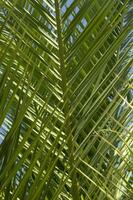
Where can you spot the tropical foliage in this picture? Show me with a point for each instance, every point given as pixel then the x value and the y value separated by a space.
pixel 66 104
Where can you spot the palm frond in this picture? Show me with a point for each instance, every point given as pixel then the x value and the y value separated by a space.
pixel 66 99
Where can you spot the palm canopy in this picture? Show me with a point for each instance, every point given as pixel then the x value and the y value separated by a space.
pixel 66 99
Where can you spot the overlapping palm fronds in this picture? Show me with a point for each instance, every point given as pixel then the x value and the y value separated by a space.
pixel 66 99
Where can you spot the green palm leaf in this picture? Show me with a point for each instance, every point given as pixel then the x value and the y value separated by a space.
pixel 66 99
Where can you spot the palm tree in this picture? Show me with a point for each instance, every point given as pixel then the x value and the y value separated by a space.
pixel 66 99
